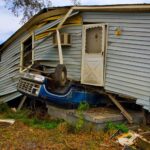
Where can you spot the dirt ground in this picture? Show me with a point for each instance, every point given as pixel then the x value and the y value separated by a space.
pixel 38 131
pixel 22 137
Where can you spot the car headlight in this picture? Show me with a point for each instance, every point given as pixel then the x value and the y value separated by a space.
pixel 35 77
pixel 39 78
pixel 37 92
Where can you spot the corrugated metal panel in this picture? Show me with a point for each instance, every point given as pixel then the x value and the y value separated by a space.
pixel 9 71
pixel 51 24
pixel 45 51
pixel 47 26
pixel 128 55
pixel 10 96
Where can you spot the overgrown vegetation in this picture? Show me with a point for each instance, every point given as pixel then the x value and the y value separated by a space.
pixel 117 126
pixel 28 118
pixel 83 106
pixel 3 107
pixel 31 131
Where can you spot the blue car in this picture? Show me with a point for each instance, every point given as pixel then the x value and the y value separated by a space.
pixel 38 86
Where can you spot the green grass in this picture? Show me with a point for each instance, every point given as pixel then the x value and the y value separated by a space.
pixel 83 106
pixel 24 116
pixel 33 121
pixel 117 126
pixel 3 107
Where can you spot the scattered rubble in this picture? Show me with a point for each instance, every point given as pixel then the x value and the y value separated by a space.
pixel 6 122
pixel 127 138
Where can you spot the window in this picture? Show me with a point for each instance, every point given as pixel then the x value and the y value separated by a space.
pixel 94 40
pixel 27 53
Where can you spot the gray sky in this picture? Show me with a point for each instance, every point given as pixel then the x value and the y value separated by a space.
pixel 9 23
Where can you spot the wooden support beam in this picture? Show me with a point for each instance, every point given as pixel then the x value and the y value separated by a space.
pixel 58 35
pixel 59 48
pixel 64 19
pixel 144 116
pixel 22 102
pixel 123 111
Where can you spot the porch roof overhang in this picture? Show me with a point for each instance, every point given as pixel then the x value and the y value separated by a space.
pixel 45 13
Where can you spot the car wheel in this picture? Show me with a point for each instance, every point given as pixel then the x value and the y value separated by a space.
pixel 61 74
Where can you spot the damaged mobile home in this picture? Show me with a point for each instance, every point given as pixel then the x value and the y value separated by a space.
pixel 100 46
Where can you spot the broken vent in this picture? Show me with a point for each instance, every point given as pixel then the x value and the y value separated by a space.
pixel 65 39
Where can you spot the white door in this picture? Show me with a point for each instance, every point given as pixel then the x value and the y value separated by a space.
pixel 92 71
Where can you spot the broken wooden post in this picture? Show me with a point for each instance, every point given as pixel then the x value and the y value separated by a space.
pixel 64 19
pixel 59 48
pixel 21 102
pixel 144 117
pixel 123 111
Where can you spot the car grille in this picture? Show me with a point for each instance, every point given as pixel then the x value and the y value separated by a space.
pixel 28 87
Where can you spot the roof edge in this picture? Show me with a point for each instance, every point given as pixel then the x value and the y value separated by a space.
pixel 52 10
pixel 35 19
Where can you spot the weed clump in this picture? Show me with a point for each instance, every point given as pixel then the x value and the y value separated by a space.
pixel 117 126
pixel 3 107
pixel 78 125
pixel 28 118
pixel 83 106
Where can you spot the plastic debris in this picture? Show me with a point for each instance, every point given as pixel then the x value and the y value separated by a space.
pixel 13 109
pixel 127 138
pixel 9 121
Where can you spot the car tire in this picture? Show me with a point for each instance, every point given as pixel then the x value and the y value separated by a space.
pixel 60 75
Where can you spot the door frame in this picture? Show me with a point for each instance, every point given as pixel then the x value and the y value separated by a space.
pixel 104 46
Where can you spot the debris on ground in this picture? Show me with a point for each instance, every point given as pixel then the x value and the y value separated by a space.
pixel 13 109
pixel 143 141
pixel 10 121
pixel 6 122
pixel 21 136
pixel 127 138
pixel 132 139
pixel 37 130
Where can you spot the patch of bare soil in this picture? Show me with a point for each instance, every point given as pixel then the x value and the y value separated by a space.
pixel 22 137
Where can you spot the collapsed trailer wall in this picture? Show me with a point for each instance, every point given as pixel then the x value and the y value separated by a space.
pixel 9 71
pixel 128 55
pixel 47 52
pixel 127 60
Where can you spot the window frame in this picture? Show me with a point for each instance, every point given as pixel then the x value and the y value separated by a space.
pixel 22 68
pixel 102 40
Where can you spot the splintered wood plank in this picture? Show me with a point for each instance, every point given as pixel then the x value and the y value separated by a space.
pixel 123 111
pixel 59 48
pixel 64 19
pixel 22 102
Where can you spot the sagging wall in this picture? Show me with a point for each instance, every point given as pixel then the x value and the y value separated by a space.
pixel 47 53
pixel 128 55
pixel 9 70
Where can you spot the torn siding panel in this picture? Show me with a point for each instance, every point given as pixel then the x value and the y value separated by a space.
pixel 47 26
pixel 128 55
pixel 9 71
pixel 144 102
pixel 10 96
pixel 45 30
pixel 48 53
